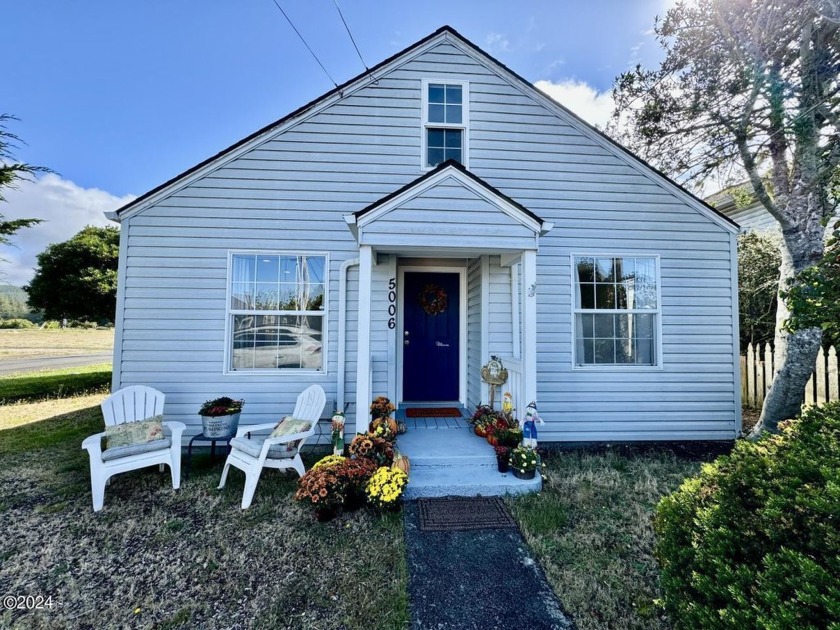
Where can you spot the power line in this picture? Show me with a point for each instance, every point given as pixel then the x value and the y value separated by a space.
pixel 347 28
pixel 311 52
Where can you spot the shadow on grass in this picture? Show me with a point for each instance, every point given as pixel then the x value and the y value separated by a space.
pixel 55 384
pixel 72 427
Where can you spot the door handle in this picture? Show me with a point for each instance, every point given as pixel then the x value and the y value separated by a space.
pixel 440 344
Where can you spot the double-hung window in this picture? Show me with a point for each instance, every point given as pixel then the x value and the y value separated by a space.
pixel 616 310
pixel 445 122
pixel 277 310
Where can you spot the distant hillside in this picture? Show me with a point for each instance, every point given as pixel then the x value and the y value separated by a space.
pixel 13 302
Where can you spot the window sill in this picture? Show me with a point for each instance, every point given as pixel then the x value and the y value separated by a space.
pixel 275 372
pixel 617 368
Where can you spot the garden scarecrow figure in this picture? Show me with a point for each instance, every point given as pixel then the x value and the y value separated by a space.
pixel 529 426
pixel 507 404
pixel 337 436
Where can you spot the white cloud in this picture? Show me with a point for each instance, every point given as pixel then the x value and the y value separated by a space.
pixel 65 208
pixel 593 106
pixel 496 42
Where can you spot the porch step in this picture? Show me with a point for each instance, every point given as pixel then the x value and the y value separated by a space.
pixel 454 462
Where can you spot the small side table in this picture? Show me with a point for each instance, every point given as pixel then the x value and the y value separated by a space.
pixel 203 438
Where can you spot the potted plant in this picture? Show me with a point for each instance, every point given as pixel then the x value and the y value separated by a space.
pixel 483 416
pixel 385 488
pixel 323 488
pixel 373 447
pixel 510 436
pixel 523 462
pixel 356 473
pixel 381 407
pixel 220 416
pixel 503 458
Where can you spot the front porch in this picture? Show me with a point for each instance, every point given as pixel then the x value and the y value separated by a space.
pixel 447 459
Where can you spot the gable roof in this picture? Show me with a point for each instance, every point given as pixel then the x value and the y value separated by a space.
pixel 450 167
pixel 444 33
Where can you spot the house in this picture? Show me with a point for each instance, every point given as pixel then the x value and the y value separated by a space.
pixel 751 216
pixel 395 233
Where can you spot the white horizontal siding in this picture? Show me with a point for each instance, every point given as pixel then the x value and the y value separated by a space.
pixel 291 192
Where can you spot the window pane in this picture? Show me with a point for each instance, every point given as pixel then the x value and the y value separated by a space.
pixel 241 296
pixel 624 351
pixel 244 268
pixel 434 138
pixel 452 138
pixel 645 283
pixel 266 297
pixel 620 296
pixel 453 94
pixel 604 296
pixel 436 93
pixel 604 325
pixel 452 154
pixel 453 114
pixel 585 270
pixel 436 113
pixel 644 352
pixel 644 326
pixel 267 268
pixel 586 296
pixel 586 325
pixel 604 270
pixel 435 157
pixel 315 267
pixel 277 341
pixel 604 351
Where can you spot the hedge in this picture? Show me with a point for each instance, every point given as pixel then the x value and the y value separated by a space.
pixel 753 541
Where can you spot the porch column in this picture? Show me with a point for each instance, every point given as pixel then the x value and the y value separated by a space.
pixel 363 383
pixel 529 326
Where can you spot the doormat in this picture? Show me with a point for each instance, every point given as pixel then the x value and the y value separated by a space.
pixel 464 513
pixel 434 412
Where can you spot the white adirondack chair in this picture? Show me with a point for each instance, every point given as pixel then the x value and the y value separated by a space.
pixel 132 404
pixel 251 455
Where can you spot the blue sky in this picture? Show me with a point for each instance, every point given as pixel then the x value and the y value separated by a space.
pixel 118 96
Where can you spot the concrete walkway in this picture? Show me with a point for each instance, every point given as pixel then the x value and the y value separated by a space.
pixel 482 579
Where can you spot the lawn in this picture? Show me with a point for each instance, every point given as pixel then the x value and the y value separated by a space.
pixel 155 557
pixel 45 384
pixel 35 342
pixel 591 529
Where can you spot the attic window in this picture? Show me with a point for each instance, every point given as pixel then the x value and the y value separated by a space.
pixel 445 122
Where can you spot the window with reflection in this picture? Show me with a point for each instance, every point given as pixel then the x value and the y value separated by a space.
pixel 616 310
pixel 277 311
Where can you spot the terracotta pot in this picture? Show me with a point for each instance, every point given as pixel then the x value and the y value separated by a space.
pixel 528 474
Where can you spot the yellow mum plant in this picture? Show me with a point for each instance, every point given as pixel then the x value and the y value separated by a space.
pixel 329 460
pixel 386 487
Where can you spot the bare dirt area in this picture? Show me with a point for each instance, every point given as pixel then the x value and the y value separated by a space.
pixel 35 343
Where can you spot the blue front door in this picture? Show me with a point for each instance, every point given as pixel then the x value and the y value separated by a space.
pixel 431 344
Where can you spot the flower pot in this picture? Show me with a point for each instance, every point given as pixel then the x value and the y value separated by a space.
pixel 528 474
pixel 220 426
pixel 322 515
pixel 504 465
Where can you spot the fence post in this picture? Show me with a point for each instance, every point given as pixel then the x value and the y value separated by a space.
pixel 833 392
pixel 751 376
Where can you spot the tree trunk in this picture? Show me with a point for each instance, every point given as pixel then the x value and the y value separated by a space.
pixel 795 353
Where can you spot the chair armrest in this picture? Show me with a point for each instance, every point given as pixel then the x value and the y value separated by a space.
pixel 93 444
pixel 177 429
pixel 254 428
pixel 292 437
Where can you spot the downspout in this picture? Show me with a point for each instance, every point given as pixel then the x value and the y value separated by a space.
pixel 342 331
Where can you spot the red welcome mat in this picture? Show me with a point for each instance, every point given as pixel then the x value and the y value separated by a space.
pixel 433 412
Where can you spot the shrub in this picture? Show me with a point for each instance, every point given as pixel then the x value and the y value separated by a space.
pixel 16 323
pixel 753 541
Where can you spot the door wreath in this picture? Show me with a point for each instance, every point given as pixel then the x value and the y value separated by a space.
pixel 433 299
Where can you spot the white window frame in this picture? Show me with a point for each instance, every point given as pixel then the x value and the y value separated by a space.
pixel 227 368
pixel 426 125
pixel 617 367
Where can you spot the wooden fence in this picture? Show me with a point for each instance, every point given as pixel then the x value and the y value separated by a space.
pixel 758 368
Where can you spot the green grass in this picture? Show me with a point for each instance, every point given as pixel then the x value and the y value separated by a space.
pixel 186 558
pixel 60 383
pixel 591 529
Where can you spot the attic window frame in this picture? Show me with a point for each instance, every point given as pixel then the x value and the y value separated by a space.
pixel 426 125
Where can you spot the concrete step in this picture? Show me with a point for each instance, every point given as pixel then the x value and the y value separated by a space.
pixel 466 481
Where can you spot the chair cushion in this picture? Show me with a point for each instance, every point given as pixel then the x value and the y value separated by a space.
pixel 118 452
pixel 253 447
pixel 139 432
pixel 290 426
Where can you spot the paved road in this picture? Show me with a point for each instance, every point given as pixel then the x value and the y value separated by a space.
pixel 8 366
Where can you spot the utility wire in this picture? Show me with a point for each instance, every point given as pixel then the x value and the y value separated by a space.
pixel 311 52
pixel 347 28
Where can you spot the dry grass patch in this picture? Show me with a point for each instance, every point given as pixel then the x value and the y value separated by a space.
pixel 155 557
pixel 591 528
pixel 28 343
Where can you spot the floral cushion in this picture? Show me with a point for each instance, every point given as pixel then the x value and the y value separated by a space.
pixel 290 426
pixel 128 433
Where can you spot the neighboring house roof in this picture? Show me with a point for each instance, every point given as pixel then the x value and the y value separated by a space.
pixel 445 33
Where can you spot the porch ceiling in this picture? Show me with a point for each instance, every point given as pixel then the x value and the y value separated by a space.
pixel 447 212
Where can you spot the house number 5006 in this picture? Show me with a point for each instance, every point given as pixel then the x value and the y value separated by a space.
pixel 392 303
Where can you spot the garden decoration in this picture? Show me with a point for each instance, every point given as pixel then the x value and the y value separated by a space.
pixel 324 489
pixel 523 462
pixel 337 436
pixel 503 458
pixel 220 416
pixel 507 404
pixel 494 373
pixel 529 426
pixel 385 488
pixel 433 299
